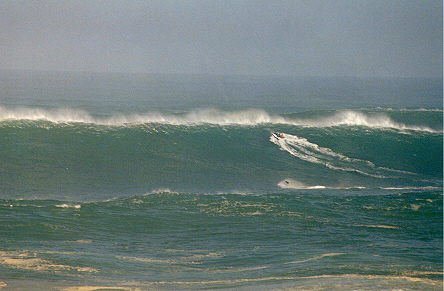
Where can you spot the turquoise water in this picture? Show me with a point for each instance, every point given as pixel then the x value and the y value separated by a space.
pixel 121 182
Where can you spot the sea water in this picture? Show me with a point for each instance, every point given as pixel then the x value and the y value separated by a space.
pixel 175 182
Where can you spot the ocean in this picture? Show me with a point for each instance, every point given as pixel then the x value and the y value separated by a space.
pixel 176 182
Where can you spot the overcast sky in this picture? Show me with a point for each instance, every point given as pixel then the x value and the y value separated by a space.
pixel 401 38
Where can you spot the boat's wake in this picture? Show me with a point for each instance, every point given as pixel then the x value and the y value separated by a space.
pixel 313 153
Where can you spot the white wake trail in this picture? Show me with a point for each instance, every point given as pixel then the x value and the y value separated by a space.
pixel 313 153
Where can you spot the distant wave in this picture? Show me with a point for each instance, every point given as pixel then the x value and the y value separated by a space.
pixel 248 117
pixel 356 118
pixel 420 109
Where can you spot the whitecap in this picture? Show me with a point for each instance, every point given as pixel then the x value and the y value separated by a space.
pixel 247 117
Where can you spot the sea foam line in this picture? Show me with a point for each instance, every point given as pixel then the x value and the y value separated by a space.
pixel 316 258
pixel 30 261
pixel 249 117
pixel 346 281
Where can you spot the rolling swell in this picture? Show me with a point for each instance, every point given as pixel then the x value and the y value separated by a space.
pixel 53 152
pixel 205 238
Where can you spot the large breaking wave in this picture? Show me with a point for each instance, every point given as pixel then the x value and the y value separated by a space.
pixel 248 117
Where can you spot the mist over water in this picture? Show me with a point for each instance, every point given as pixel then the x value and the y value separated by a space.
pixel 107 93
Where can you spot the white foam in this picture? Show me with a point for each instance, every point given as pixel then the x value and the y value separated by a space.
pixel 425 188
pixel 356 118
pixel 60 115
pixel 68 206
pixel 316 258
pixel 293 184
pixel 347 169
pixel 202 116
pixel 313 153
pixel 317 187
pixel 248 117
pixel 378 226
pixel 30 261
pixel 161 191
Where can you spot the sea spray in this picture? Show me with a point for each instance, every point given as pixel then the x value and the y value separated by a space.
pixel 249 117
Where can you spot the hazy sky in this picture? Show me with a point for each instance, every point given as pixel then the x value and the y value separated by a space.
pixel 400 38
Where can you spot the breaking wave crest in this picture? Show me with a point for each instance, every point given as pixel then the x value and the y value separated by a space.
pixel 248 117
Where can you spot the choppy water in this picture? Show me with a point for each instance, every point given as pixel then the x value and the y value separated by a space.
pixel 133 199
